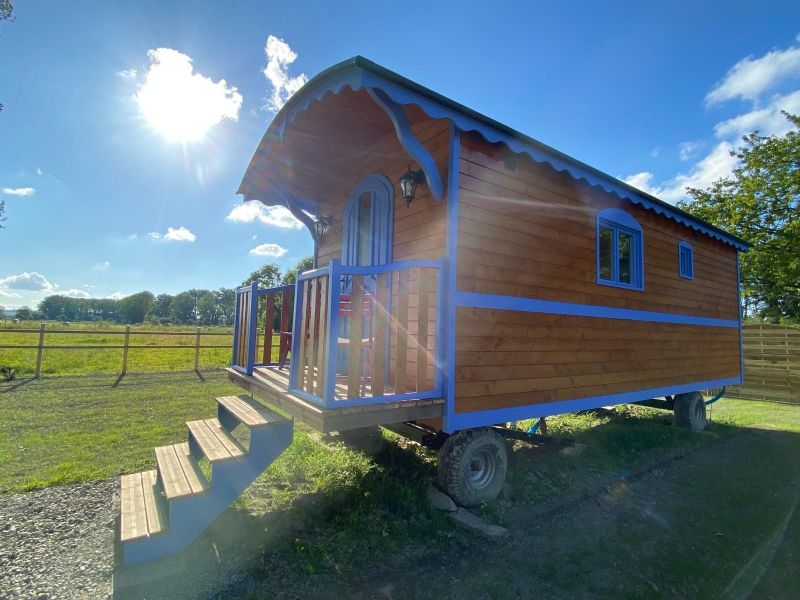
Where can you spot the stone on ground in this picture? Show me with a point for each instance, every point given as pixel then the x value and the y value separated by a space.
pixel 440 500
pixel 472 522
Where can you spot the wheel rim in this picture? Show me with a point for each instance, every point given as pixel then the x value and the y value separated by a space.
pixel 699 411
pixel 482 467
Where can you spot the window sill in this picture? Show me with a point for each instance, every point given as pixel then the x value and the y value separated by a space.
pixel 624 286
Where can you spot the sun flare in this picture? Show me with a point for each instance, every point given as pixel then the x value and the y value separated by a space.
pixel 180 104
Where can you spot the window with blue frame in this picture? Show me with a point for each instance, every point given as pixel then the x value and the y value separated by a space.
pixel 685 260
pixel 620 251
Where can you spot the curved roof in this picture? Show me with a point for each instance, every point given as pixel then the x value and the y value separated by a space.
pixel 359 73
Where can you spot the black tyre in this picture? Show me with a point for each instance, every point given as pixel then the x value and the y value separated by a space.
pixel 473 465
pixel 690 411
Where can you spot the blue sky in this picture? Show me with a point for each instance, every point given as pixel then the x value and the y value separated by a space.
pixel 108 192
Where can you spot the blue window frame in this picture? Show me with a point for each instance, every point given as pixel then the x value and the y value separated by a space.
pixel 620 251
pixel 685 260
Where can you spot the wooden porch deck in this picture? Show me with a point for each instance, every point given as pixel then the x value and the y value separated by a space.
pixel 270 384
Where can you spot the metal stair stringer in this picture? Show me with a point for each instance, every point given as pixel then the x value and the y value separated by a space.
pixel 190 515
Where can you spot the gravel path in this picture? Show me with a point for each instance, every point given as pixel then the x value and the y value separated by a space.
pixel 58 542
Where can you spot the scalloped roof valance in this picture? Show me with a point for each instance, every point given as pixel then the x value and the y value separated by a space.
pixel 359 73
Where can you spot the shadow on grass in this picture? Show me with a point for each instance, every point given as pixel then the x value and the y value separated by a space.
pixel 114 381
pixel 13 386
pixel 302 525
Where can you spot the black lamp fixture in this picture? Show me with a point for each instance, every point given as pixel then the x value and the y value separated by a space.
pixel 408 184
pixel 322 225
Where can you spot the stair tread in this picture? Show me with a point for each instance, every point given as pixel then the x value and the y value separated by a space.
pixel 180 473
pixel 216 443
pixel 249 411
pixel 141 514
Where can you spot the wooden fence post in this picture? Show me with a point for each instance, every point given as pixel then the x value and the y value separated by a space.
pixel 125 349
pixel 197 351
pixel 39 351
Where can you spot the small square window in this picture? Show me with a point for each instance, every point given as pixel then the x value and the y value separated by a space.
pixel 685 261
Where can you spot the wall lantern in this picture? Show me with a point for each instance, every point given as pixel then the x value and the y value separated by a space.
pixel 322 225
pixel 408 184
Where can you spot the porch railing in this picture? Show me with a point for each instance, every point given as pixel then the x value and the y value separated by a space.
pixel 250 303
pixel 369 334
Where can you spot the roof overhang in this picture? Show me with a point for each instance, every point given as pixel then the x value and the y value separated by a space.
pixel 359 73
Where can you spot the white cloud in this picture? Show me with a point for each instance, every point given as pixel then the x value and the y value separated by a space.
pixel 717 164
pixel 32 282
pixel 39 171
pixel 180 104
pixel 9 294
pixel 127 73
pixel 24 191
pixel 253 210
pixel 116 296
pixel 687 150
pixel 180 234
pixel 102 265
pixel 655 151
pixel 642 181
pixel 269 250
pixel 279 57
pixel 767 120
pixel 74 293
pixel 750 77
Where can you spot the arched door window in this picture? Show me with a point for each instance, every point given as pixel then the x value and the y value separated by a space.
pixel 367 236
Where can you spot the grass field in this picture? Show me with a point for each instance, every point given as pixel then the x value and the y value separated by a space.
pixel 73 362
pixel 647 510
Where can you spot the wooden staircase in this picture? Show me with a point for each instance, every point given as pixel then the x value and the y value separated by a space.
pixel 164 510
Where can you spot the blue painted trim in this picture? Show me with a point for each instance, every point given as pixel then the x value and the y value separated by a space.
pixel 280 288
pixel 620 217
pixel 236 317
pixel 251 338
pixel 313 399
pixel 477 300
pixel 449 289
pixel 686 247
pixel 313 273
pixel 547 409
pixel 619 221
pixel 334 289
pixel 359 73
pixel 296 330
pixel 409 141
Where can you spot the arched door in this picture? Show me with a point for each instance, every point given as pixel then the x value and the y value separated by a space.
pixel 367 224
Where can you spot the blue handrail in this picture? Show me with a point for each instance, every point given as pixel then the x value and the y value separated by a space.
pixel 335 271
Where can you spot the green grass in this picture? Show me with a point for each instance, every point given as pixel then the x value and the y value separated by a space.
pixel 326 516
pixel 84 361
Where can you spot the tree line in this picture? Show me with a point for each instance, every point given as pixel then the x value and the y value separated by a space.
pixel 192 307
pixel 760 202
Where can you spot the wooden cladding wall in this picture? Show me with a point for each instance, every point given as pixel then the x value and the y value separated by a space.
pixel 419 230
pixel 510 358
pixel 526 230
pixel 771 364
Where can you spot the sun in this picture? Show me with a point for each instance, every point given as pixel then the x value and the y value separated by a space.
pixel 182 105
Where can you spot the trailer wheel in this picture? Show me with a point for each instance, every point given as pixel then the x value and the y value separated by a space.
pixel 690 411
pixel 473 465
